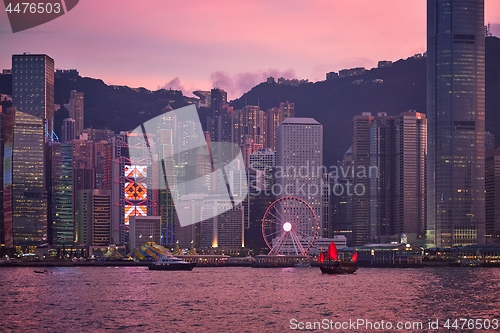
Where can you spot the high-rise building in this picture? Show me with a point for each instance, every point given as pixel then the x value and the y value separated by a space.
pixel 274 117
pixel 144 229
pixel 456 123
pixel 33 87
pixel 190 234
pixel 382 187
pixel 248 148
pixel 61 226
pixel 260 180
pixel 250 123
pixel 76 110
pixel 96 134
pixel 68 130
pixel 219 115
pixel 94 217
pixel 410 195
pixel 83 177
pixel 2 131
pixel 262 161
pixel 225 229
pixel 489 141
pixel 288 109
pixel 25 205
pixel 492 185
pixel 218 100
pixel 389 154
pixel 299 161
pixel 492 87
pixel 360 161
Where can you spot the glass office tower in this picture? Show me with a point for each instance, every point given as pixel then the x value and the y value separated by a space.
pixel 33 87
pixel 455 119
pixel 25 202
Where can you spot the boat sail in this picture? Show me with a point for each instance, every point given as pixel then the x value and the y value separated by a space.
pixel 333 265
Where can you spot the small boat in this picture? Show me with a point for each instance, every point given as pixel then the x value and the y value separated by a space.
pixel 41 271
pixel 171 264
pixel 333 265
pixel 302 264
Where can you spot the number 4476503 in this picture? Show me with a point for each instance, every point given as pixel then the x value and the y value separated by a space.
pixel 471 324
pixel 33 8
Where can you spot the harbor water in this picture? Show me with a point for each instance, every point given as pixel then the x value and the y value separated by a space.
pixel 241 299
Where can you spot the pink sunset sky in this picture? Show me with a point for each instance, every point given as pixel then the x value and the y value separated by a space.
pixel 190 45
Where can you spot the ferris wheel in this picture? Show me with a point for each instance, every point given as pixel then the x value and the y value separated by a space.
pixel 289 226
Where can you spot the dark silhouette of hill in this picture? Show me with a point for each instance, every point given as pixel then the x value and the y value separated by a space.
pixel 335 103
pixel 332 103
pixel 118 108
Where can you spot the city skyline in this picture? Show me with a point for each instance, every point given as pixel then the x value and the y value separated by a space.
pixel 347 185
pixel 300 42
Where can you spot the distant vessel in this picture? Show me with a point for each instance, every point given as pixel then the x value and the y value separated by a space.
pixel 304 264
pixel 335 266
pixel 171 264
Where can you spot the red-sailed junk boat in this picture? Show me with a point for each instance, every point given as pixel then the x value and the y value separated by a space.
pixel 332 265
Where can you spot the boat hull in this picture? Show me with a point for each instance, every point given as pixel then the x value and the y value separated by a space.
pixel 339 267
pixel 172 267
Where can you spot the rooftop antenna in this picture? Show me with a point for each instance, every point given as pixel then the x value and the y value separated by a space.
pixel 487 30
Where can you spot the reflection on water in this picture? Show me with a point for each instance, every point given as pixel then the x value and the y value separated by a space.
pixel 237 299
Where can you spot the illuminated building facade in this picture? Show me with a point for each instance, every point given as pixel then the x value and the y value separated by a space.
pixel 68 130
pixel 94 217
pixel 25 206
pixel 33 87
pixel 389 154
pixel 299 157
pixel 410 206
pixel 75 108
pixel 144 229
pixel 456 123
pixel 250 123
pixel 61 226
pixel 134 183
pixel 2 131
pixel 492 185
pixel 225 229
pixel 361 160
pixel 382 185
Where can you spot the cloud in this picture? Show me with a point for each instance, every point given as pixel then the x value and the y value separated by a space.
pixel 174 84
pixel 238 84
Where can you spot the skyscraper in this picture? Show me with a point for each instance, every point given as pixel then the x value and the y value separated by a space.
pixel 68 130
pixel 393 163
pixel 382 188
pixel 25 206
pixel 75 108
pixel 299 158
pixel 61 227
pixel 492 185
pixel 410 205
pixel 455 119
pixel 33 87
pixel 250 123
pixel 274 117
pixel 361 161
pixel 492 87
pixel 225 229
pixel 94 217
pixel 2 130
